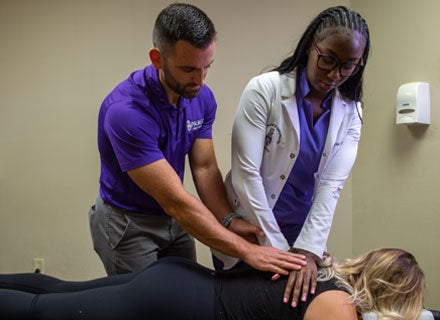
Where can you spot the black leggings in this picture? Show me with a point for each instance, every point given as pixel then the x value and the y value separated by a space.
pixel 171 288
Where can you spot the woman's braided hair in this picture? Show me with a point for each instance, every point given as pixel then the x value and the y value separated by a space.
pixel 335 19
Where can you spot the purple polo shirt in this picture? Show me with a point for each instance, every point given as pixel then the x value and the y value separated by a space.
pixel 296 198
pixel 137 126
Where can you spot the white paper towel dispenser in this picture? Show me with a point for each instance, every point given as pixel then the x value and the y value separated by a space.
pixel 413 104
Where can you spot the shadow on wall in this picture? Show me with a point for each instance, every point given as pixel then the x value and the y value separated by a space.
pixel 408 137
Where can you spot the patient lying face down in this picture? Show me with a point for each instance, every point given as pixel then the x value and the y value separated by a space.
pixel 387 282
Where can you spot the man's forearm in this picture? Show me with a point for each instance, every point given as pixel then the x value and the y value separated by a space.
pixel 212 192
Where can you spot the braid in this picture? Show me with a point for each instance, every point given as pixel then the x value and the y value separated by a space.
pixel 339 19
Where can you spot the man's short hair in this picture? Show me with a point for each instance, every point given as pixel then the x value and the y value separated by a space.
pixel 180 21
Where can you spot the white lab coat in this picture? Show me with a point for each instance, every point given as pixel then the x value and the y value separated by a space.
pixel 265 145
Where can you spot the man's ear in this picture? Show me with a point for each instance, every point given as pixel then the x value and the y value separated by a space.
pixel 156 58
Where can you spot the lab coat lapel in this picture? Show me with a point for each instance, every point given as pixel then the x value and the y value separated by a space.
pixel 338 110
pixel 288 100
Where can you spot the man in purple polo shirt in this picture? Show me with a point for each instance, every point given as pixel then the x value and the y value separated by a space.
pixel 146 127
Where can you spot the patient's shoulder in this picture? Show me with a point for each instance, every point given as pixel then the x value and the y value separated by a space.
pixel 331 305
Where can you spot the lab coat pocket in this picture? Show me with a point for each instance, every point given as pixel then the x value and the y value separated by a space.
pixel 231 195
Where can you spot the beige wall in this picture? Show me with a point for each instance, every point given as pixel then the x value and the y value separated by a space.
pixel 395 193
pixel 60 58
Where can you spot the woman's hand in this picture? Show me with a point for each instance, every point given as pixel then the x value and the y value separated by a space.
pixel 301 282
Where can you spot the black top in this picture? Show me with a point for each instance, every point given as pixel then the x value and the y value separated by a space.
pixel 253 295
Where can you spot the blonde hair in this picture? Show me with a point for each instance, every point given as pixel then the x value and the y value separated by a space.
pixel 386 281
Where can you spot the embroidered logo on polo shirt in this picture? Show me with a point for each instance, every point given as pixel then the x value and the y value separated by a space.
pixel 194 125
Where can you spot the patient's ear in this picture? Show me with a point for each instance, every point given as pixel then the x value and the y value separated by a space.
pixel 156 58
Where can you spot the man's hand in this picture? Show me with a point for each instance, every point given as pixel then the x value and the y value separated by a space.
pixel 266 258
pixel 303 281
pixel 274 260
pixel 246 230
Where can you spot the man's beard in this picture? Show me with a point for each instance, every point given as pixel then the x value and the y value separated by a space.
pixel 180 89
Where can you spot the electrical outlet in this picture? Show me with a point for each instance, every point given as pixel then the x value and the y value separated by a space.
pixel 39 265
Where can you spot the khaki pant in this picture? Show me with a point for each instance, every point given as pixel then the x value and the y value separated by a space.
pixel 129 242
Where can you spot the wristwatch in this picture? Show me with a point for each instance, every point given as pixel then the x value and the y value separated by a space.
pixel 228 219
